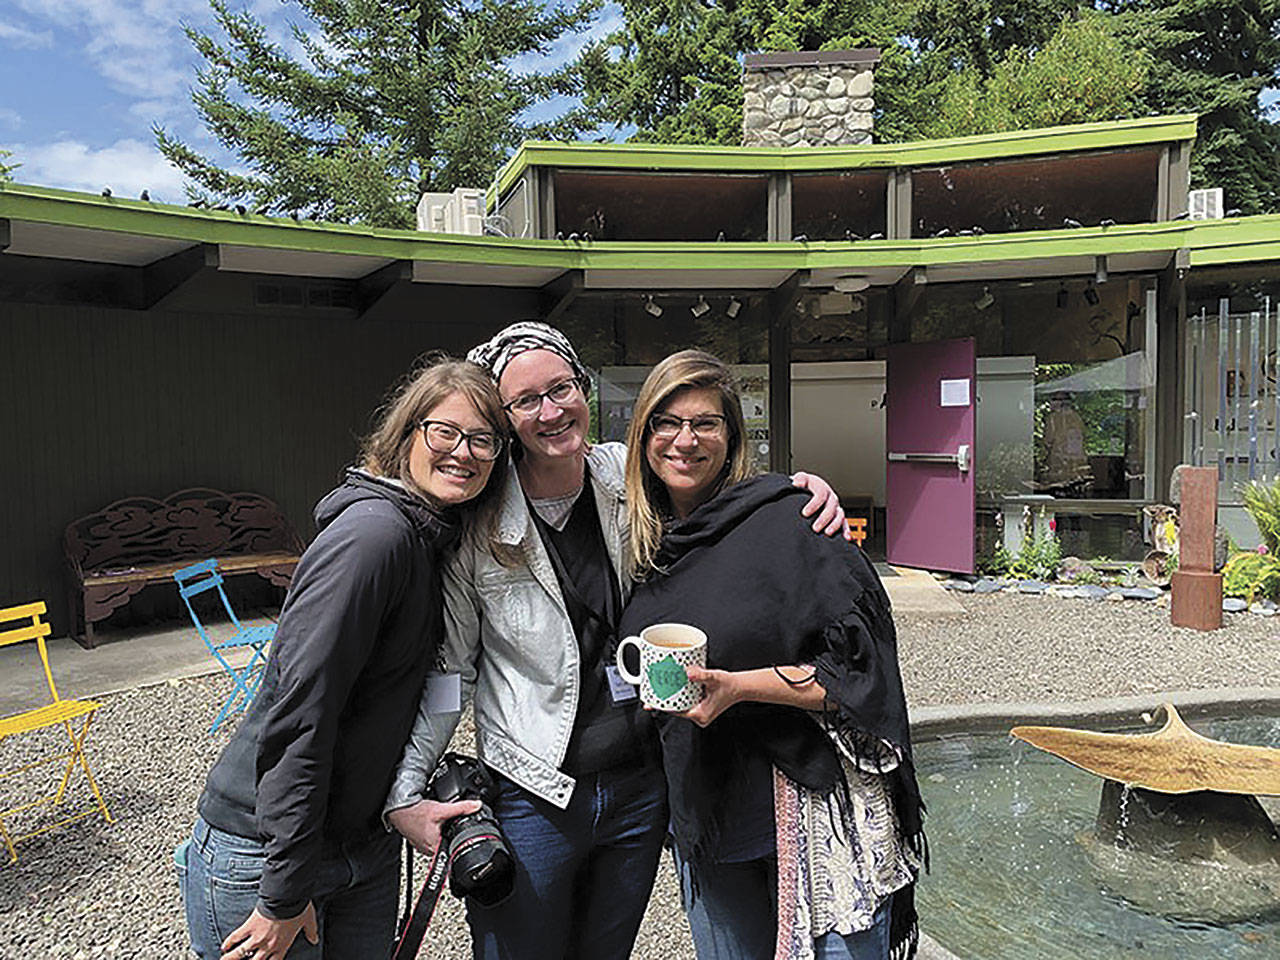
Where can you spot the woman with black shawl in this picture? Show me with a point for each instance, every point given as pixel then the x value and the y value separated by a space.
pixel 795 811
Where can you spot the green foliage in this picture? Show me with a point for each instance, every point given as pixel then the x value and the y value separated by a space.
pixel 997 564
pixel 1214 59
pixel 6 169
pixel 1039 557
pixel 1084 72
pixel 1262 503
pixel 388 97
pixel 1251 575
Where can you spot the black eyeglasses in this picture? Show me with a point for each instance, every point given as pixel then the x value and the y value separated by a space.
pixel 704 426
pixel 443 437
pixel 527 404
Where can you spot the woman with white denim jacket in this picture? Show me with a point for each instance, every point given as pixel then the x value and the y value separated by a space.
pixel 530 628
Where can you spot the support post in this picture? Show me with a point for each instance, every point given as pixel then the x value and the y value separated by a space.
pixel 780 303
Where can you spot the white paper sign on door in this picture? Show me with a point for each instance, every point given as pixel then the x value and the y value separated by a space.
pixel 955 393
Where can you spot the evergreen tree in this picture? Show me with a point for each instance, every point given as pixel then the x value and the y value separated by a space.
pixel 1085 72
pixel 389 97
pixel 1214 59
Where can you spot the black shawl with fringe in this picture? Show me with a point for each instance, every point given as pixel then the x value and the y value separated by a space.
pixel 746 568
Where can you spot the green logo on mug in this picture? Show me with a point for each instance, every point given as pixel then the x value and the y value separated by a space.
pixel 667 678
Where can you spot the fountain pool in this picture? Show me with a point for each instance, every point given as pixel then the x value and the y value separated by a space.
pixel 1012 881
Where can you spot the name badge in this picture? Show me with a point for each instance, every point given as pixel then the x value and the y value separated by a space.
pixel 622 691
pixel 443 693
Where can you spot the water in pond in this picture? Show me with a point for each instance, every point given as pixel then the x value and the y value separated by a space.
pixel 1010 881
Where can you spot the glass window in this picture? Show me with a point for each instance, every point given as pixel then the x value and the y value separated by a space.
pixel 848 205
pixel 661 206
pixel 1036 193
pixel 1064 412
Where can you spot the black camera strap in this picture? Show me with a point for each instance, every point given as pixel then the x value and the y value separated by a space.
pixel 414 927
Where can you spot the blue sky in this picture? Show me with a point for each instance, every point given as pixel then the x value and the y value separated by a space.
pixel 82 82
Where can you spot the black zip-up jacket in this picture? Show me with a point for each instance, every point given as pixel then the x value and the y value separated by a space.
pixel 312 761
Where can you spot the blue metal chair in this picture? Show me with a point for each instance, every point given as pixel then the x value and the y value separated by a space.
pixel 203 576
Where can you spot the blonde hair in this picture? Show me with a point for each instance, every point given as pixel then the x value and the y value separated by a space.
pixel 648 505
pixel 432 380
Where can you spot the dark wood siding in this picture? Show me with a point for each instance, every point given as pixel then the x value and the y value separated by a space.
pixel 98 404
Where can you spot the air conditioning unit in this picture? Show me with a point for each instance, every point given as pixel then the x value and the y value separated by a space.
pixel 1205 204
pixel 462 211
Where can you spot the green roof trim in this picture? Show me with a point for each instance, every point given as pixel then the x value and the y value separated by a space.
pixel 1213 242
pixel 1111 134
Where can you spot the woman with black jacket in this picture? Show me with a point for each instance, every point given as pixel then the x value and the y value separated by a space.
pixel 289 836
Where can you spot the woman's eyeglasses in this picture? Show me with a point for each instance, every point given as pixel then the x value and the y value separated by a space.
pixel 704 427
pixel 444 437
pixel 527 404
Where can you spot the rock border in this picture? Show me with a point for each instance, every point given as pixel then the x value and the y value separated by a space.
pixel 1094 592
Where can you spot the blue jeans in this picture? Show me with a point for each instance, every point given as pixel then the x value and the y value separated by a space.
pixel 583 874
pixel 356 893
pixel 734 915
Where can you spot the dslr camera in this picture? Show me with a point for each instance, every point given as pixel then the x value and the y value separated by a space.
pixel 482 864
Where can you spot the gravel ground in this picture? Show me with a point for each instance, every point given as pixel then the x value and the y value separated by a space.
pixel 1040 648
pixel 95 890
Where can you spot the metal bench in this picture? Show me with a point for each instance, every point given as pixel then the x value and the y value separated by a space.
pixel 114 553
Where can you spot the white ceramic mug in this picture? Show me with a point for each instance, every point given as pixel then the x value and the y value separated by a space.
pixel 665 650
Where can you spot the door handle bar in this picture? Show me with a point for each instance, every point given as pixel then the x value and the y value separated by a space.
pixel 960 458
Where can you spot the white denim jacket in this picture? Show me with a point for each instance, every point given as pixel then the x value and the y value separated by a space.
pixel 508 633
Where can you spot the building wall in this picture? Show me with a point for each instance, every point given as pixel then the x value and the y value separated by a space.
pixel 97 404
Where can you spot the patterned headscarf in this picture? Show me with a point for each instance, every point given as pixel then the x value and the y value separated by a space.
pixel 513 340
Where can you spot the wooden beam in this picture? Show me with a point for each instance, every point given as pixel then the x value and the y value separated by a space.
pixel 161 278
pixel 906 295
pixel 559 294
pixel 780 303
pixel 373 286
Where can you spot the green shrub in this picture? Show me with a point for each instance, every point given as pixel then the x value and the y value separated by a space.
pixel 997 563
pixel 1250 576
pixel 1039 557
pixel 1262 502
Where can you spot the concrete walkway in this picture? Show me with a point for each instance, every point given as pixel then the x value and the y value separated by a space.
pixel 121 661
pixel 124 660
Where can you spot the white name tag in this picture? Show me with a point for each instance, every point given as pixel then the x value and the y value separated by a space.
pixel 622 691
pixel 444 693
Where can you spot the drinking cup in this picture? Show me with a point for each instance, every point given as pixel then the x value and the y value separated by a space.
pixel 665 650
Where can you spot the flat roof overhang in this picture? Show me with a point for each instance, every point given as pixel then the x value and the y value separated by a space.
pixel 1107 135
pixel 41 222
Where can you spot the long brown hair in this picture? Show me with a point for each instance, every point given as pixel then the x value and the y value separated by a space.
pixel 648 505
pixel 434 378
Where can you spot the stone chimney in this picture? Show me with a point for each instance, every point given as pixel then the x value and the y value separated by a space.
pixel 808 99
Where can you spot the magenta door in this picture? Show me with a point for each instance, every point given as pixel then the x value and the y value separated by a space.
pixel 930 392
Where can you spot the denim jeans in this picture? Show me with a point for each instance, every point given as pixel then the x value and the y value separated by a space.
pixel 355 894
pixel 734 915
pixel 583 874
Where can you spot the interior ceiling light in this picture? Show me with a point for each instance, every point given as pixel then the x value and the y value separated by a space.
pixel 701 307
pixel 732 310
pixel 651 306
pixel 985 300
pixel 851 284
pixel 1091 294
pixel 1062 296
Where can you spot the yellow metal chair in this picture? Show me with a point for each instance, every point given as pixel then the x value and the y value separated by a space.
pixel 57 712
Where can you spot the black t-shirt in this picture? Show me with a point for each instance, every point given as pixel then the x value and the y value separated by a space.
pixel 605 734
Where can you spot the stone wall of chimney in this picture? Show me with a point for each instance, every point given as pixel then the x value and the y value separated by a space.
pixel 808 99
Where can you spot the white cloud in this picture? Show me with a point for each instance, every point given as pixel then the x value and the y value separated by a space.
pixel 127 167
pixel 22 37
pixel 10 118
